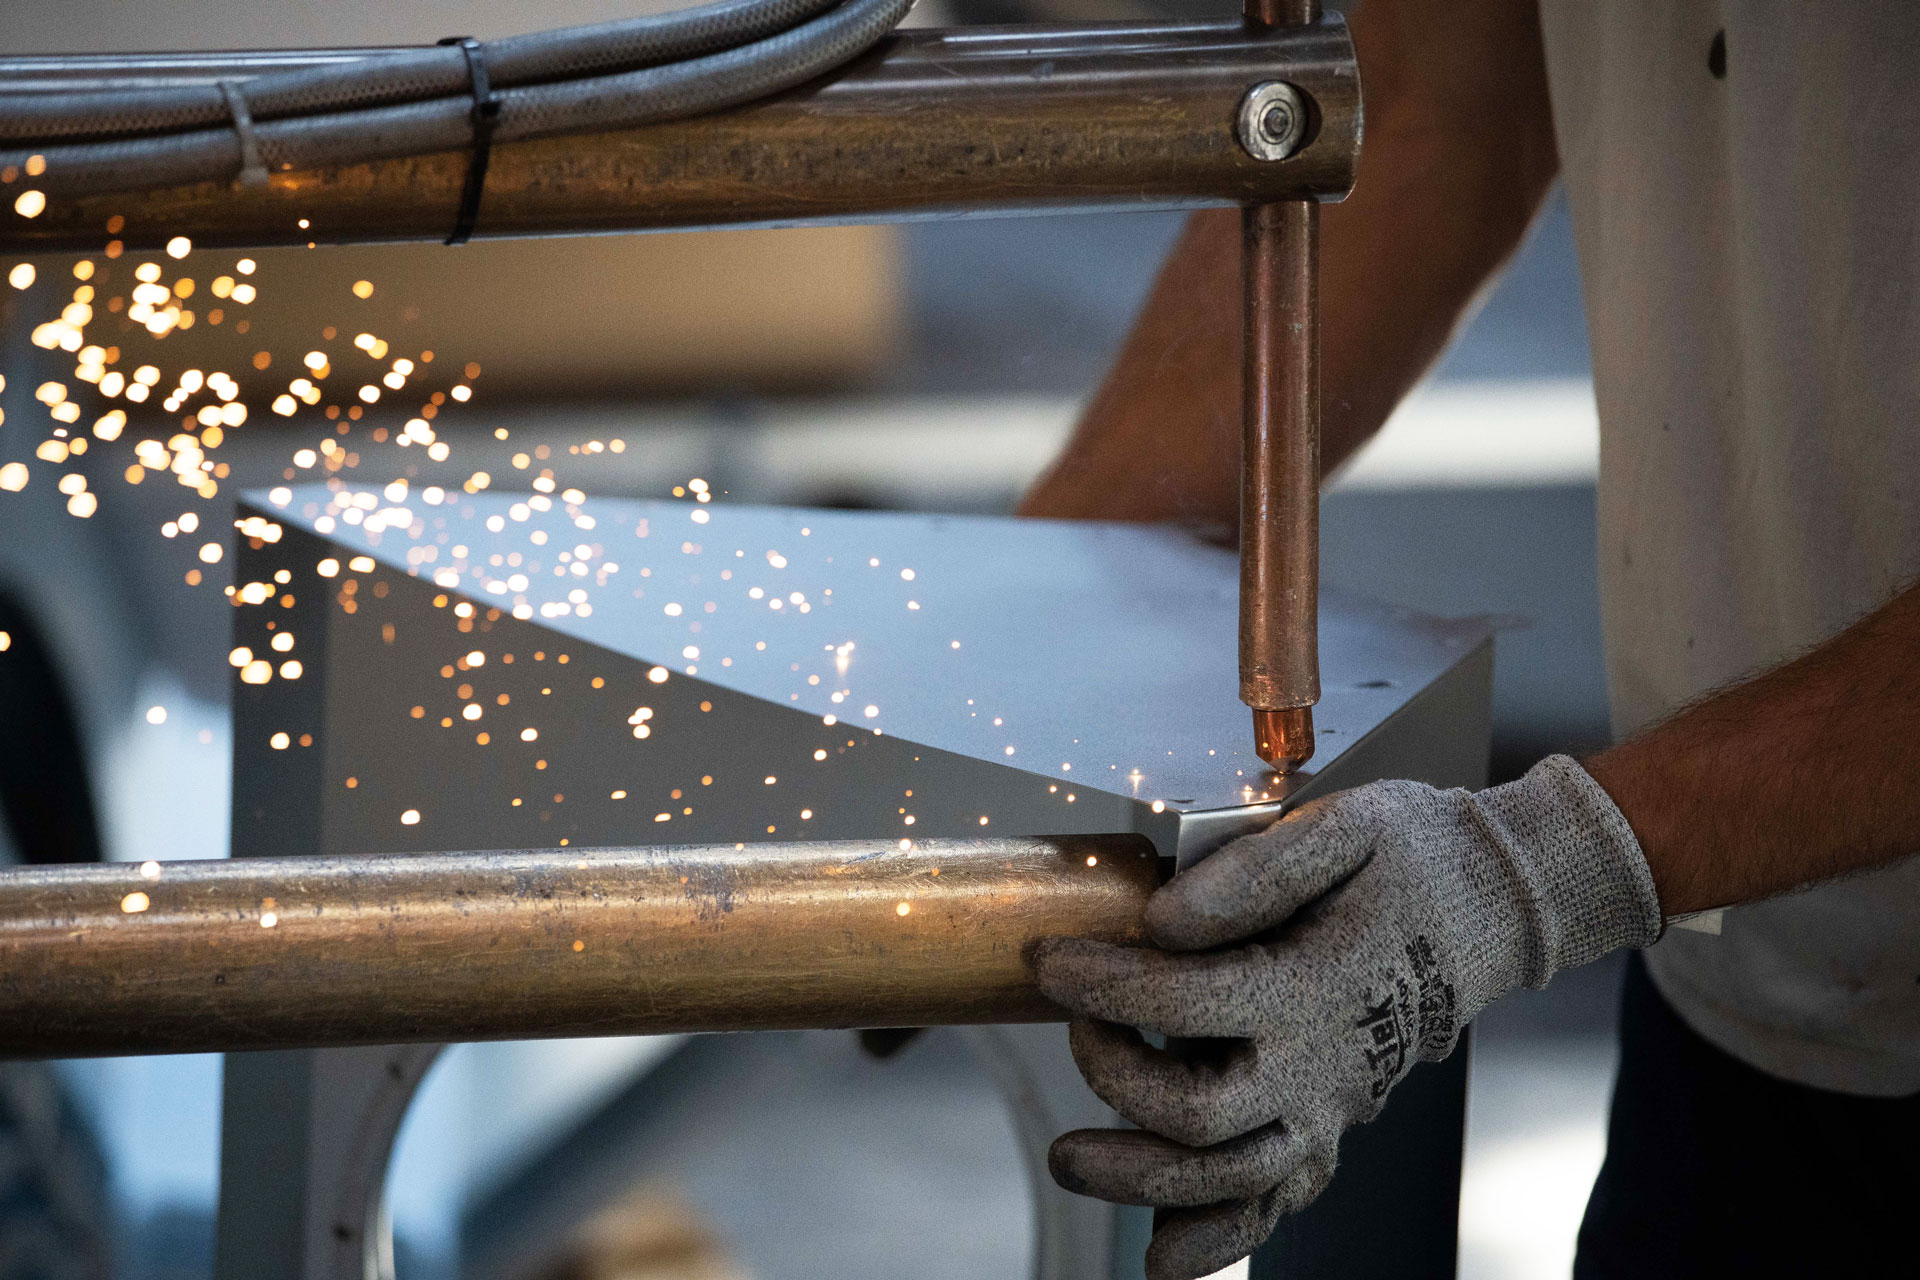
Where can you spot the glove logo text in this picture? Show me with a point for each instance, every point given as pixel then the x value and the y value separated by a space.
pixel 1385 1039
pixel 1388 1026
pixel 1437 1008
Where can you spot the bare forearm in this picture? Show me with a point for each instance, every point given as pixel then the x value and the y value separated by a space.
pixel 1459 153
pixel 1807 772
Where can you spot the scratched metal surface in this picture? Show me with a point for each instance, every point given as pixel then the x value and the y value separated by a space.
pixel 1091 655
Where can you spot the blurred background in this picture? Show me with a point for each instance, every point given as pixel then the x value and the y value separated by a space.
pixel 931 367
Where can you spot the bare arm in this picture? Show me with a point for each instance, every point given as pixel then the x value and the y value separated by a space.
pixel 1459 152
pixel 1807 772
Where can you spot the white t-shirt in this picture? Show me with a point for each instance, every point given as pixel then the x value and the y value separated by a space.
pixel 1750 250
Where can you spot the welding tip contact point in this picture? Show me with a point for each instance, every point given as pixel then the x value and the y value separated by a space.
pixel 1283 737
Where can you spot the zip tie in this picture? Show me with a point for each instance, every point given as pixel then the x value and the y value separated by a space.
pixel 253 171
pixel 485 114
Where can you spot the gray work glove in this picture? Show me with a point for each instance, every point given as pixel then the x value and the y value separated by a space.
pixel 1326 955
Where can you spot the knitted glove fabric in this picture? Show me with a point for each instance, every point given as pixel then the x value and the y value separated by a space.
pixel 1321 959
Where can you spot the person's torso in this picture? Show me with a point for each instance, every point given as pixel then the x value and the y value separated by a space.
pixel 1745 186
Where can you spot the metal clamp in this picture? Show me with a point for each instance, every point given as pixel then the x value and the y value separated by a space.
pixel 484 116
pixel 253 171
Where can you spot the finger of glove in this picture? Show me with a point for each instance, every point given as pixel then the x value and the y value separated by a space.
pixel 1309 1178
pixel 1194 1103
pixel 1200 1241
pixel 1190 1243
pixel 1259 881
pixel 1176 995
pixel 1128 1166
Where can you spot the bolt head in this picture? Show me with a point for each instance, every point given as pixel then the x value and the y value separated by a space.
pixel 1272 121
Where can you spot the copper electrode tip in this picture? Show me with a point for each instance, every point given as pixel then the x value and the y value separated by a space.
pixel 1284 738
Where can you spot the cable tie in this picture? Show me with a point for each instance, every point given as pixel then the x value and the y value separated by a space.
pixel 485 115
pixel 253 171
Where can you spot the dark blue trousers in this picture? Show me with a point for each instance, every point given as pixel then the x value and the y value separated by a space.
pixel 1716 1169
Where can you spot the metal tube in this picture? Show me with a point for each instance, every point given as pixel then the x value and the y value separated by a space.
pixel 931 123
pixel 1280 459
pixel 257 953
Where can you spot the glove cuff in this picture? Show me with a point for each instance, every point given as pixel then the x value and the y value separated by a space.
pixel 1581 885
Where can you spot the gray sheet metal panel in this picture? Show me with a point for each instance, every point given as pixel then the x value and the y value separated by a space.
pixel 1023 663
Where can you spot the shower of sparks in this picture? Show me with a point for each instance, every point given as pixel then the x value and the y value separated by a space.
pixel 122 398
pixel 128 413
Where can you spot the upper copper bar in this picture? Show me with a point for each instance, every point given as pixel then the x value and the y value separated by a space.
pixel 1280 458
pixel 930 123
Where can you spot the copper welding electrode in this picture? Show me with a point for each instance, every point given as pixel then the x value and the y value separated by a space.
pixel 1280 483
pixel 1280 436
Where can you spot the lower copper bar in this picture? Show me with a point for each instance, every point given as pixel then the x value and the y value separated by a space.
pixel 262 953
pixel 1280 478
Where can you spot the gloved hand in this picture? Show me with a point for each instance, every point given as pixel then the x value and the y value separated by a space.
pixel 1371 927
